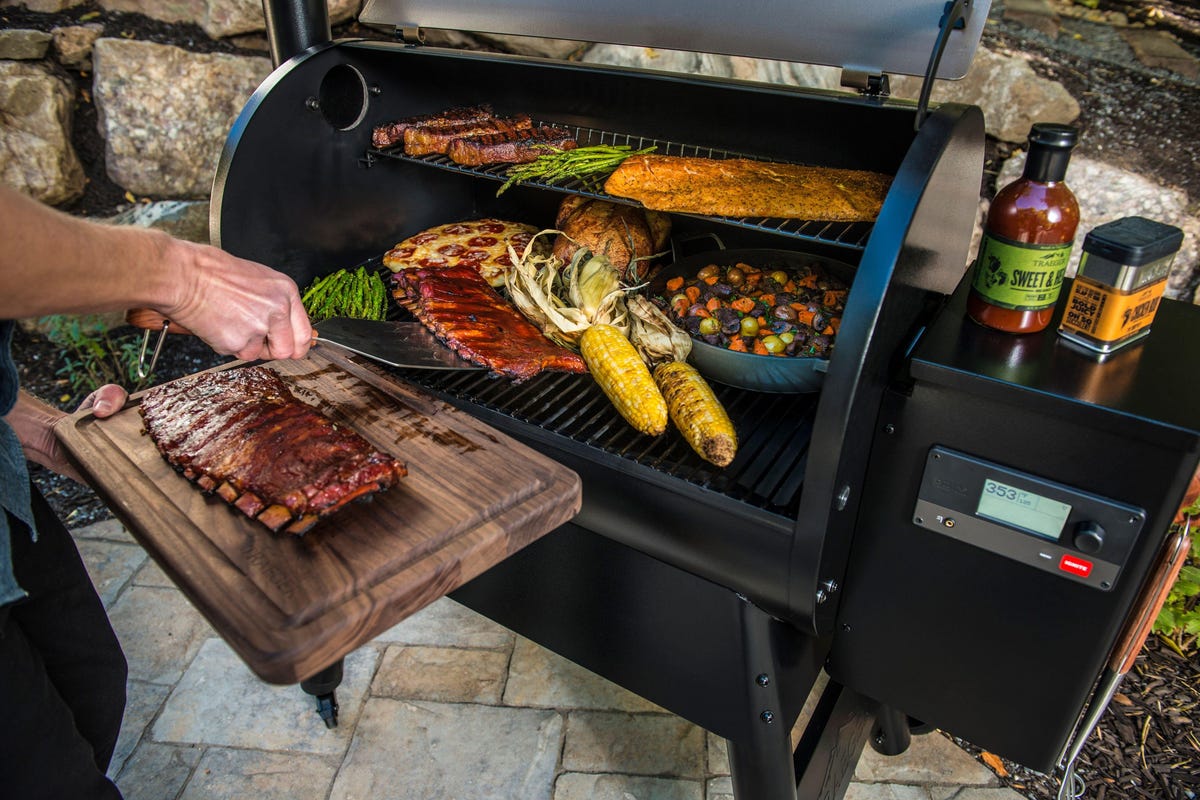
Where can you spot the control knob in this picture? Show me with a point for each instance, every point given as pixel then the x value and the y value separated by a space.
pixel 1089 536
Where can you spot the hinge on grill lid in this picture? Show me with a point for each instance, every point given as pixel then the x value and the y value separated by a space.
pixel 410 34
pixel 954 17
pixel 868 84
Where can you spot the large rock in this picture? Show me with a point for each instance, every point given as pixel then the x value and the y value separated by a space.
pixel 164 113
pixel 1106 193
pixel 20 44
pixel 220 18
pixel 753 69
pixel 36 156
pixel 1011 94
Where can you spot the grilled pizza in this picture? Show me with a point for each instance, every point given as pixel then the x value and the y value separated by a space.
pixel 481 244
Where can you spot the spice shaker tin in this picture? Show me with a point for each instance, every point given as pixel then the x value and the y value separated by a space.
pixel 1119 283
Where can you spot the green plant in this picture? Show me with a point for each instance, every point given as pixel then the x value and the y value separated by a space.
pixel 1178 623
pixel 92 355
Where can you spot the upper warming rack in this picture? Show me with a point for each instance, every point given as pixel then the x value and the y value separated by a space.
pixel 850 235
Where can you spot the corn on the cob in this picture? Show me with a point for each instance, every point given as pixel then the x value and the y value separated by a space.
pixel 624 378
pixel 697 412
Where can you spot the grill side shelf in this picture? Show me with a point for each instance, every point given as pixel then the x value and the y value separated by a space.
pixel 848 235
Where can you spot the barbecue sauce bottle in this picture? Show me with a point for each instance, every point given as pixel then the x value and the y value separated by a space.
pixel 1027 239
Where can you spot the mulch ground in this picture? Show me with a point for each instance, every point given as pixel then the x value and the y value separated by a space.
pixel 1145 745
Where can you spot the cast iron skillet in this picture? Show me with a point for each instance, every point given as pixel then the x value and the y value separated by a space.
pixel 779 374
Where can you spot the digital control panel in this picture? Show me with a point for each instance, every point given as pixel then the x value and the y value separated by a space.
pixel 1074 534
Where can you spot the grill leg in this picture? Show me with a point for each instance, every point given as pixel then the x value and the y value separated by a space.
pixel 891 735
pixel 760 763
pixel 322 686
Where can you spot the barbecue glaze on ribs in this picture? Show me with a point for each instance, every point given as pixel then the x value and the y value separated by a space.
pixel 463 311
pixel 242 434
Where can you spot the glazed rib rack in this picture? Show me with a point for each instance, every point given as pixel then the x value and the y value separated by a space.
pixel 243 435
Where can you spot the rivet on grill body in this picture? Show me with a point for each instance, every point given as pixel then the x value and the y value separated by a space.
pixel 889 429
pixel 830 585
pixel 767 717
pixel 822 596
pixel 312 104
pixel 374 91
pixel 763 680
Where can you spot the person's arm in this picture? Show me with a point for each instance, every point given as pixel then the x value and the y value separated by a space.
pixel 53 263
pixel 33 422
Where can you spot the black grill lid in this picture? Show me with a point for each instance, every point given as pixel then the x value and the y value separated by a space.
pixel 882 36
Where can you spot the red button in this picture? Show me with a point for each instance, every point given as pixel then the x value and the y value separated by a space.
pixel 1075 565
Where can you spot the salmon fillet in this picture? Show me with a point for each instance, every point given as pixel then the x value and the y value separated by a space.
pixel 739 187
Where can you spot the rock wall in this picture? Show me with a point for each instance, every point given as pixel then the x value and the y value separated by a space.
pixel 163 111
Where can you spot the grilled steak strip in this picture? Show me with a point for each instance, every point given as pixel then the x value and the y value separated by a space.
pixel 242 434
pixel 392 133
pixel 509 147
pixel 463 311
pixel 429 139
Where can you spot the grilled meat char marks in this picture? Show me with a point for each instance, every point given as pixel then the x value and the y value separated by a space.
pixel 429 139
pixel 509 147
pixel 462 310
pixel 392 133
pixel 242 434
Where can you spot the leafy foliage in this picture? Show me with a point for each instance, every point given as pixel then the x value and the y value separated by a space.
pixel 91 354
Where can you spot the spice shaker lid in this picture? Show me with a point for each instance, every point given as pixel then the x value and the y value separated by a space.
pixel 1133 241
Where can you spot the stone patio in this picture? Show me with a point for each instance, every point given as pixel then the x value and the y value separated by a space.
pixel 446 705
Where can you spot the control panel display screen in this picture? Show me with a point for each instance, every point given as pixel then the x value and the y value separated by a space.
pixel 1022 509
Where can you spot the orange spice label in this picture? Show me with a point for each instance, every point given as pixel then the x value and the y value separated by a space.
pixel 1105 314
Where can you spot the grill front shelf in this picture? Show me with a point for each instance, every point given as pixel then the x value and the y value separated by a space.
pixel 847 235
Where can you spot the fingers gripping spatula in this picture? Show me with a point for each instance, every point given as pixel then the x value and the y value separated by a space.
pixel 397 344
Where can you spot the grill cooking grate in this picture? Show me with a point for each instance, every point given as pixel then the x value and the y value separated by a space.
pixel 774 430
pixel 850 235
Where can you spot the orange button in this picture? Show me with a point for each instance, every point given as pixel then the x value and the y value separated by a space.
pixel 1075 565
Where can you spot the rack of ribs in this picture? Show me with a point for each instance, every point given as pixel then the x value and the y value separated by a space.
pixel 242 434
pixel 466 313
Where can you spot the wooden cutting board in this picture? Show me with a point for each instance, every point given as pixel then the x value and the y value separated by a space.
pixel 290 605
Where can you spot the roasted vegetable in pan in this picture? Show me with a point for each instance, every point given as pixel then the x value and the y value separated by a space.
pixel 624 378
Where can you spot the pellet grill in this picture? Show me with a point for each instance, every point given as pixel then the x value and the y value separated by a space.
pixel 857 530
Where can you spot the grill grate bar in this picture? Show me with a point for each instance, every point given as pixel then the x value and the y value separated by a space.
pixel 850 235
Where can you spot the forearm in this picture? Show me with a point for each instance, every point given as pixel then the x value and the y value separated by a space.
pixel 53 263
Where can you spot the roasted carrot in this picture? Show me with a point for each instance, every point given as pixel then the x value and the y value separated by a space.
pixel 742 304
pixel 711 280
pixel 675 284
pixel 760 348
pixel 713 303
pixel 737 343
pixel 693 293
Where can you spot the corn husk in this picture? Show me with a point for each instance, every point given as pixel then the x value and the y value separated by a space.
pixel 656 338
pixel 563 301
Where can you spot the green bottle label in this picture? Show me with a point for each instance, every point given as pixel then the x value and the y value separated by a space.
pixel 1023 277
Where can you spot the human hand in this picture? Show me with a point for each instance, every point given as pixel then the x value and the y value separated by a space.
pixel 238 307
pixel 34 421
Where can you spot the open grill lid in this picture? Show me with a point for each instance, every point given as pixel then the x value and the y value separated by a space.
pixel 884 36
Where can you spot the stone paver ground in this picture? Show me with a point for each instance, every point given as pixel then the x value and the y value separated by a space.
pixel 447 704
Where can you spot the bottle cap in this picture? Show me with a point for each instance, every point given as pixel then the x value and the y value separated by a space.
pixel 1052 134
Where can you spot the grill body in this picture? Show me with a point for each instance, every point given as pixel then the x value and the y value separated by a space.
pixel 714 593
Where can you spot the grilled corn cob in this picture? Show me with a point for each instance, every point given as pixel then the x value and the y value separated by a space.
pixel 624 378
pixel 697 412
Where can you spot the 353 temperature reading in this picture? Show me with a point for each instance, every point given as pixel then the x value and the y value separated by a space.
pixel 1023 509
